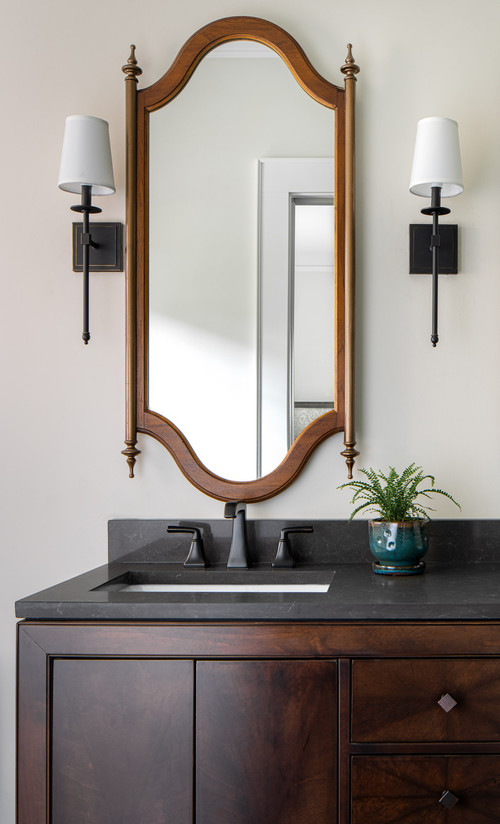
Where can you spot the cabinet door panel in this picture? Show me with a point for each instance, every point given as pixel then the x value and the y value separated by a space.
pixel 122 733
pixel 389 789
pixel 266 742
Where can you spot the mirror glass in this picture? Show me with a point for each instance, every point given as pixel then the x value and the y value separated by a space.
pixel 241 285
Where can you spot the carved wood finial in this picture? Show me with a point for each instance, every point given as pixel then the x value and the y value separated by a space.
pixel 350 69
pixel 349 454
pixel 131 69
pixel 130 453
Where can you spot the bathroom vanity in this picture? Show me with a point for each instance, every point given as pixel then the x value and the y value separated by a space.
pixel 375 701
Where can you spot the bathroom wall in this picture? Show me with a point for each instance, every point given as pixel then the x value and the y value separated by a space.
pixel 63 403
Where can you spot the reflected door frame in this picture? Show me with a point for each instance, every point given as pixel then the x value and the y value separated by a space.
pixel 281 180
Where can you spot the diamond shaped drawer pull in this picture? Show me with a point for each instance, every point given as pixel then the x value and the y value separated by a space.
pixel 448 800
pixel 446 702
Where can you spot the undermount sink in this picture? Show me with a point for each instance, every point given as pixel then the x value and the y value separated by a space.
pixel 243 588
pixel 220 581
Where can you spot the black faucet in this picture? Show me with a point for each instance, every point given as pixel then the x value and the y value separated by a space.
pixel 238 553
pixel 196 557
pixel 283 557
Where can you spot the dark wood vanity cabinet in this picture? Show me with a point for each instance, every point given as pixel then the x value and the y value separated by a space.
pixel 232 723
pixel 135 737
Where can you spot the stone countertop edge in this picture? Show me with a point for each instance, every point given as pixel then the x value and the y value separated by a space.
pixel 444 592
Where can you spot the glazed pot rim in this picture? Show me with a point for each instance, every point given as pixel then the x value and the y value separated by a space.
pixel 408 523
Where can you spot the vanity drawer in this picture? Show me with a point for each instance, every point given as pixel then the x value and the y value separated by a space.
pixel 398 700
pixel 431 789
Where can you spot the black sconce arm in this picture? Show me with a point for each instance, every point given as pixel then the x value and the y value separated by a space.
pixel 86 209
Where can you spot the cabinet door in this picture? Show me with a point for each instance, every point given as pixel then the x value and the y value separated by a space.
pixel 122 741
pixel 266 742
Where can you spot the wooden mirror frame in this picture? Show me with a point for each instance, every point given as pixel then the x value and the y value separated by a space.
pixel 139 104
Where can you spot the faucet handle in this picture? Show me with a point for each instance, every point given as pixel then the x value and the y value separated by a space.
pixel 195 556
pixel 283 557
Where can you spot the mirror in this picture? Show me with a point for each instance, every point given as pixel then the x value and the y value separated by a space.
pixel 240 264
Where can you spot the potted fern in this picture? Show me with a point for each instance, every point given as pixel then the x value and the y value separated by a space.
pixel 398 537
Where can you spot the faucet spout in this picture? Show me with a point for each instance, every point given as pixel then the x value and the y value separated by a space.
pixel 238 558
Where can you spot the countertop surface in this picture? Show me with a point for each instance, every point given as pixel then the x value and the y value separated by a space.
pixel 462 591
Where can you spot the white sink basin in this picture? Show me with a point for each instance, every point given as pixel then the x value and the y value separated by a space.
pixel 242 588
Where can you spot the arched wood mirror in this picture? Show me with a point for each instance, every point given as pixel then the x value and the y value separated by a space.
pixel 240 259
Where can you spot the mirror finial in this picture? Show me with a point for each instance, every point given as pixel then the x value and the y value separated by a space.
pixel 350 69
pixel 131 69
pixel 350 455
pixel 130 453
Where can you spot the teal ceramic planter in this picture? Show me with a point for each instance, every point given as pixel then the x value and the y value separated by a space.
pixel 398 547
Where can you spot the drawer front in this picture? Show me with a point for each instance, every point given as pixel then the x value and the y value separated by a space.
pixel 434 790
pixel 399 700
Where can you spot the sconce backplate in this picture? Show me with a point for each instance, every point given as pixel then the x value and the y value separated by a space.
pixel 108 257
pixel 420 249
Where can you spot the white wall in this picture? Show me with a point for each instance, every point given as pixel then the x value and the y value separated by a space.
pixel 62 472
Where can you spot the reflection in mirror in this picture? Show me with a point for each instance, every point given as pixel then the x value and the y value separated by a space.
pixel 207 245
pixel 312 298
pixel 286 185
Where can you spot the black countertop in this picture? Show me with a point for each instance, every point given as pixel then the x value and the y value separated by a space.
pixel 461 581
pixel 443 592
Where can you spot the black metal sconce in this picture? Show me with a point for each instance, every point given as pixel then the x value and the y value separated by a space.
pixel 87 169
pixel 436 173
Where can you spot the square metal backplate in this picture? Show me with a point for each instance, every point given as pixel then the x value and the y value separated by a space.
pixel 420 249
pixel 108 257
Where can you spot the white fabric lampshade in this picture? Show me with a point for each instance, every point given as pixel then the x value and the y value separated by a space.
pixel 436 161
pixel 86 156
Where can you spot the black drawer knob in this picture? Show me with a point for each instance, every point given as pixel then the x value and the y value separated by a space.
pixel 446 702
pixel 448 800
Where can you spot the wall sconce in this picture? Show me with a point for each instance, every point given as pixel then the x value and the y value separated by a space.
pixel 87 169
pixel 436 173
